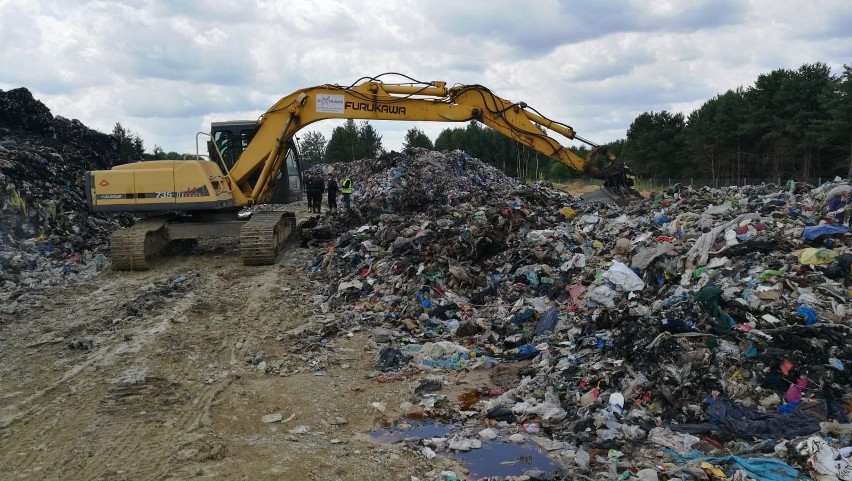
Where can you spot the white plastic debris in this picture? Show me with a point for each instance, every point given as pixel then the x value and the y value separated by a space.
pixel 272 418
pixel 303 429
pixel 623 277
pixel 464 444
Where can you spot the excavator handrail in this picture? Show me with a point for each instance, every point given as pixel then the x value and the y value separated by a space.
pixel 199 155
pixel 372 99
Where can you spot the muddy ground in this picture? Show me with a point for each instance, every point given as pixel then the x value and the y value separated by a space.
pixel 173 373
pixel 160 375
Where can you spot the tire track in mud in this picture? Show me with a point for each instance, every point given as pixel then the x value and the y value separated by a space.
pixel 105 391
pixel 151 429
pixel 189 440
pixel 141 403
pixel 253 312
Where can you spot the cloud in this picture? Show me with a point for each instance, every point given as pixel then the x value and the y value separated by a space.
pixel 538 29
pixel 35 56
pixel 165 69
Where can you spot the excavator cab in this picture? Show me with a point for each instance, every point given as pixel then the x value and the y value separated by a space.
pixel 230 139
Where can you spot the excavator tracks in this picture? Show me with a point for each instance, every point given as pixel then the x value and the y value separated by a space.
pixel 131 247
pixel 263 235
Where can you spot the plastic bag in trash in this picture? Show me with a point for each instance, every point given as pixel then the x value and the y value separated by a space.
pixel 623 277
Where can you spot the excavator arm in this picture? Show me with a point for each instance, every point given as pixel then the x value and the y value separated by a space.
pixel 416 101
pixel 198 199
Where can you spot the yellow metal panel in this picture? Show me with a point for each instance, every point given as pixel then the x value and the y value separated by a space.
pixel 155 185
pixel 113 187
pixel 192 182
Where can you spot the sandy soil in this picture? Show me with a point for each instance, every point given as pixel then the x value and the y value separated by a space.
pixel 577 188
pixel 160 375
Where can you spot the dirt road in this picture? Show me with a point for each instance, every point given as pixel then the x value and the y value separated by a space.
pixel 168 374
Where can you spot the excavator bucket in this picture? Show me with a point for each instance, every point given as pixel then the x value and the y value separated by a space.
pixel 617 188
pixel 604 195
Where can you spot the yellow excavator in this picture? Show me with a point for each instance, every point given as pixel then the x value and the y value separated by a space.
pixel 256 165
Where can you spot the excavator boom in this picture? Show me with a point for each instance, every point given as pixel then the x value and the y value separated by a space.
pixel 209 193
pixel 375 100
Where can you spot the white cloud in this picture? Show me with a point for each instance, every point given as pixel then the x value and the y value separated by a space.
pixel 165 69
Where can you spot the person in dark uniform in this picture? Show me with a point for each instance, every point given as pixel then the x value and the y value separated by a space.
pixel 316 188
pixel 309 192
pixel 331 188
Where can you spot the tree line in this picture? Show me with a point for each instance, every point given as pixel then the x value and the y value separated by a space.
pixel 790 124
pixel 357 141
pixel 132 148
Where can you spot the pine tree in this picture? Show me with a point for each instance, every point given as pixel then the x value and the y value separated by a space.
pixel 416 138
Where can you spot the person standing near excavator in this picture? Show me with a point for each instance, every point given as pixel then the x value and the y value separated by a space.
pixel 309 191
pixel 316 186
pixel 331 188
pixel 346 190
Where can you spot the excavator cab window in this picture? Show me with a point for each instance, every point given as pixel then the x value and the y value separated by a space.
pixel 288 183
pixel 245 137
pixel 227 149
pixel 231 138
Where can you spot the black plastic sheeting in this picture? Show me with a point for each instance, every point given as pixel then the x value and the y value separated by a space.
pixel 752 423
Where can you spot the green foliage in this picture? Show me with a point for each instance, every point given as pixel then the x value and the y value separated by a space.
pixel 129 144
pixel 351 142
pixel 160 154
pixel 790 124
pixel 416 138
pixel 834 132
pixel 369 141
pixel 511 157
pixel 655 144
pixel 312 148
pixel 341 146
pixel 649 186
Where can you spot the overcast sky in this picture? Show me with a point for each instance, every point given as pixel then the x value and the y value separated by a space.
pixel 166 68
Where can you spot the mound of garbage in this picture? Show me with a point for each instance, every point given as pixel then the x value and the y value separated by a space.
pixel 48 233
pixel 707 325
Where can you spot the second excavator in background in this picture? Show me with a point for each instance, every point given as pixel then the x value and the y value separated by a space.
pixel 256 164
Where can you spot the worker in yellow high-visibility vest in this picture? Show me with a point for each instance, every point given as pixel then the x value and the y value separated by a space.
pixel 346 190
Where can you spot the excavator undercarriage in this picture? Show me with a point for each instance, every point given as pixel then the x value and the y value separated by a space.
pixel 261 235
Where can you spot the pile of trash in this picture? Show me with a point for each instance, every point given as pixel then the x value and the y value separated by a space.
pixel 47 231
pixel 707 325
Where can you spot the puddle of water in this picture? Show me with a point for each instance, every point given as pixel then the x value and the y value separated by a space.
pixel 494 458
